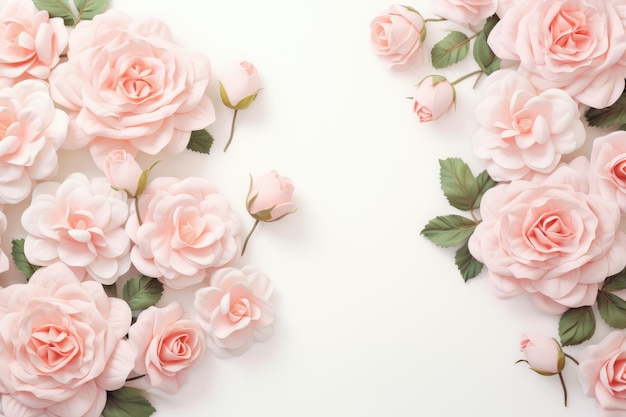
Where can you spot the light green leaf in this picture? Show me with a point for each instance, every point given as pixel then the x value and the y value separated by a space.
pixel 141 292
pixel 615 282
pixel 450 50
pixel 576 326
pixel 200 141
pixel 127 402
pixel 19 258
pixel 612 117
pixel 73 12
pixel 458 183
pixel 448 231
pixel 467 264
pixel 484 182
pixel 612 309
pixel 142 181
pixel 483 55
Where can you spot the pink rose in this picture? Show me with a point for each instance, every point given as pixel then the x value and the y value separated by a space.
pixel 470 12
pixel 543 354
pixel 235 310
pixel 602 374
pixel 31 132
pixel 270 197
pixel 397 35
pixel 575 45
pixel 608 166
pixel 122 170
pixel 239 85
pixel 30 42
pixel 132 87
pixel 522 130
pixel 4 260
pixel 168 342
pixel 62 345
pixel 187 231
pixel 79 222
pixel 549 238
pixel 433 98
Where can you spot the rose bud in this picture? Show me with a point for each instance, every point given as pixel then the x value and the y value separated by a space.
pixel 269 198
pixel 543 354
pixel 433 98
pixel 122 171
pixel 397 35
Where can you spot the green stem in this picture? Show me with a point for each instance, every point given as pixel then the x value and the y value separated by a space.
pixel 564 388
pixel 137 210
pixel 232 130
pixel 441 19
pixel 458 80
pixel 245 242
pixel 573 359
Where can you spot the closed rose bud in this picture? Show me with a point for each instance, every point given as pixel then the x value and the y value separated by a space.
pixel 397 35
pixel 122 170
pixel 239 86
pixel 433 98
pixel 543 354
pixel 269 198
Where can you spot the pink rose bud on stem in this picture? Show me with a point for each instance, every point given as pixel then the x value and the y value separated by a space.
pixel 397 35
pixel 269 199
pixel 122 171
pixel 238 89
pixel 545 356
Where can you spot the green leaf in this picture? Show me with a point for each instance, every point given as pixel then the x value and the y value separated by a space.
pixel 141 292
pixel 88 9
pixel 483 55
pixel 484 182
pixel 73 12
pixel 467 264
pixel 142 181
pixel 448 231
pixel 608 117
pixel 127 402
pixel 200 141
pixel 19 258
pixel 576 325
pixel 450 50
pixel 615 282
pixel 458 183
pixel 612 309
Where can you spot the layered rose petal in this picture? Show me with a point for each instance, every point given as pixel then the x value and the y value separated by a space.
pixel 397 35
pixel 608 166
pixel 270 197
pixel 469 12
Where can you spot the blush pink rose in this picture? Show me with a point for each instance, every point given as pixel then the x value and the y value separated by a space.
pixel 471 12
pixel 235 310
pixel 62 345
pixel 31 132
pixel 270 197
pixel 187 230
pixel 168 343
pixel 608 166
pixel 602 374
pixel 577 46
pixel 397 35
pixel 30 42
pixel 79 222
pixel 543 354
pixel 4 260
pixel 522 130
pixel 122 170
pixel 239 85
pixel 131 87
pixel 433 98
pixel 550 238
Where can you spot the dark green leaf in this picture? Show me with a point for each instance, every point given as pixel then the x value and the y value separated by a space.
pixel 450 50
pixel 82 9
pixel 612 309
pixel 615 282
pixel 483 55
pixel 142 292
pixel 608 117
pixel 200 141
pixel 448 231
pixel 576 326
pixel 127 402
pixel 458 183
pixel 467 264
pixel 484 182
pixel 19 258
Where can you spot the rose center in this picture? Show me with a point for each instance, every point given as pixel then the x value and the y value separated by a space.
pixel 524 125
pixel 549 234
pixel 619 172
pixel 53 346
pixel 569 31
pixel 238 310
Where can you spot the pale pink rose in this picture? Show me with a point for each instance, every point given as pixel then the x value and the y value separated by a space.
pixel 575 45
pixel 608 166
pixel 471 12
pixel 62 345
pixel 543 354
pixel 397 35
pixel 602 374
pixel 550 238
pixel 187 231
pixel 270 197
pixel 4 260
pixel 122 170
pixel 31 132
pixel 79 222
pixel 523 130
pixel 433 98
pixel 132 87
pixel 168 342
pixel 235 310
pixel 239 85
pixel 30 42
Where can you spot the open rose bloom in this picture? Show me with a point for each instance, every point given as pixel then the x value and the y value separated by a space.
pixel 397 35
pixel 470 12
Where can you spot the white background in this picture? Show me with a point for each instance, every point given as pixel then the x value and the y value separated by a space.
pixel 372 319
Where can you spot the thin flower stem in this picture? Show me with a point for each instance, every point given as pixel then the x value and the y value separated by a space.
pixel 458 80
pixel 245 242
pixel 573 359
pixel 232 130
pixel 564 388
pixel 134 378
pixel 137 210
pixel 441 19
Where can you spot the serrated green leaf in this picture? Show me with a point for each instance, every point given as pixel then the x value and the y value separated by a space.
pixel 484 183
pixel 458 183
pixel 19 258
pixel 483 55
pixel 72 13
pixel 141 292
pixel 448 231
pixel 467 264
pixel 127 402
pixel 576 326
pixel 612 309
pixel 200 141
pixel 615 282
pixel 608 117
pixel 450 50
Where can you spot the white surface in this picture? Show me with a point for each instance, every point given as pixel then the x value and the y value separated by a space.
pixel 372 319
